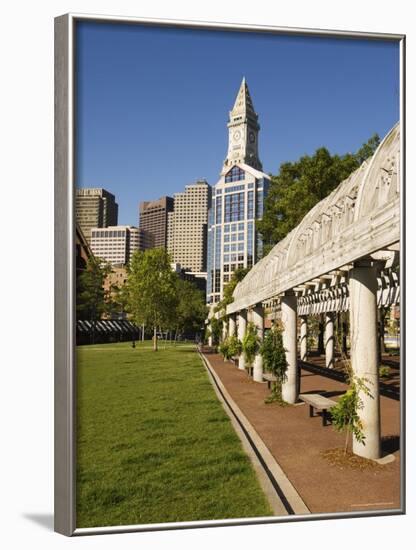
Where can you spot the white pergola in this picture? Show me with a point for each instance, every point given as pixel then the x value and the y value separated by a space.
pixel 340 257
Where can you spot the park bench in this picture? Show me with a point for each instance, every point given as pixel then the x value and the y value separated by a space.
pixel 319 403
pixel 269 378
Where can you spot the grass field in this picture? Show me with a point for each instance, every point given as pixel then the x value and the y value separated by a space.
pixel 154 443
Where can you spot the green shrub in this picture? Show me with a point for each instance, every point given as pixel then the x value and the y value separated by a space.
pixel 384 372
pixel 274 361
pixel 223 348
pixel 230 347
pixel 250 344
pixel 234 346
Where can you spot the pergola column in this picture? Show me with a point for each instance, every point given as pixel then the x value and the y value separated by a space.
pixel 231 325
pixel 257 316
pixel 364 356
pixel 303 338
pixel 289 307
pixel 210 335
pixel 242 325
pixel 224 329
pixel 329 340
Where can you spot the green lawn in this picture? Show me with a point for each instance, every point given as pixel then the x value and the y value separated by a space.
pixel 154 443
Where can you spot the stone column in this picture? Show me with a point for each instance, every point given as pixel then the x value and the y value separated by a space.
pixel 303 338
pixel 290 387
pixel 364 360
pixel 231 325
pixel 210 335
pixel 224 329
pixel 258 320
pixel 329 340
pixel 242 325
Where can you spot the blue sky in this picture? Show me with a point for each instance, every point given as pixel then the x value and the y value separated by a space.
pixel 152 104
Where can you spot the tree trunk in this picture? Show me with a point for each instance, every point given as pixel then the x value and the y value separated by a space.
pixel 93 331
pixel 154 339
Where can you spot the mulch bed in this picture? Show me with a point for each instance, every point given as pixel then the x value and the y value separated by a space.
pixel 340 459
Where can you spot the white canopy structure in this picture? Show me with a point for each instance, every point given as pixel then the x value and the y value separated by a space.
pixel 342 256
pixel 359 218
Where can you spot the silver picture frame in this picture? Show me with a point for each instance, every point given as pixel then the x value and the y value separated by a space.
pixel 64 360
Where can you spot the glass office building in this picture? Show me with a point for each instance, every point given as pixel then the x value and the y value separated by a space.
pixel 233 241
pixel 237 201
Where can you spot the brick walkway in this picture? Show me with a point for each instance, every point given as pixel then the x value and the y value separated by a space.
pixel 296 441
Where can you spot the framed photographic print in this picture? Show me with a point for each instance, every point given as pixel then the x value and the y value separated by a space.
pixel 229 236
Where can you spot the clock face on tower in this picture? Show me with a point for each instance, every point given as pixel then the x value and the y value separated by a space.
pixel 252 137
pixel 237 135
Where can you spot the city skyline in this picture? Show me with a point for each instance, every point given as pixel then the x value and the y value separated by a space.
pixel 148 125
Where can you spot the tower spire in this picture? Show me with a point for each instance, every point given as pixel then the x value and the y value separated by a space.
pixel 243 104
pixel 243 130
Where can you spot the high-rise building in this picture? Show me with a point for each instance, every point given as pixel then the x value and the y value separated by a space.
pixel 117 244
pixel 187 226
pixel 95 207
pixel 237 200
pixel 153 217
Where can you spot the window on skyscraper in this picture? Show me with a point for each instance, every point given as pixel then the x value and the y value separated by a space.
pixel 235 174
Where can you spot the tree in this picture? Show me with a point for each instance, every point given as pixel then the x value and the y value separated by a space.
pixel 300 185
pixel 274 360
pixel 345 415
pixel 191 309
pixel 151 290
pixel 367 149
pixel 93 301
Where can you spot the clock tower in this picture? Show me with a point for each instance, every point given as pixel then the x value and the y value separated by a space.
pixel 243 131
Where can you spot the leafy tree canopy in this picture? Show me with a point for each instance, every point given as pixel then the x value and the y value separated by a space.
pixel 300 185
pixel 216 328
pixel 151 288
pixel 92 299
pixel 191 309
